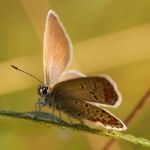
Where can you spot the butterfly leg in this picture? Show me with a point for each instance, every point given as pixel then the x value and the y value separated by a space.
pixel 81 121
pixel 60 116
pixel 70 119
pixel 38 107
pixel 53 110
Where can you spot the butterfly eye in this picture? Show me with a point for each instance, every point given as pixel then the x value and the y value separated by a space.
pixel 42 90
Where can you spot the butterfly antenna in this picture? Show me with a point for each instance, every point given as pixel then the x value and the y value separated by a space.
pixel 27 73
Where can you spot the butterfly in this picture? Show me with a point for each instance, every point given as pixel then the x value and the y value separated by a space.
pixel 70 91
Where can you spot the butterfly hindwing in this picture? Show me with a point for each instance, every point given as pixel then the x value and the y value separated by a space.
pixel 82 110
pixel 71 74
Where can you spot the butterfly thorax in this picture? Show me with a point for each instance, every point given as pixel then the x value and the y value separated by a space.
pixel 48 97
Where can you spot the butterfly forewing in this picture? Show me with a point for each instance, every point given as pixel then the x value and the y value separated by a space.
pixel 95 90
pixel 56 49
pixel 82 110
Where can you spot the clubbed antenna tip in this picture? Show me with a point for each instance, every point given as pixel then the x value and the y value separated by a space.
pixel 14 67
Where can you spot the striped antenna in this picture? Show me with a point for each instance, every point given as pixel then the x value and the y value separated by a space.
pixel 27 73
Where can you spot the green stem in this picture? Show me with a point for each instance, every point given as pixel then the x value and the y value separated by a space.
pixel 49 119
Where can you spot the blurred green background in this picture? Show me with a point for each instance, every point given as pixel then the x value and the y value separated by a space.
pixel 109 37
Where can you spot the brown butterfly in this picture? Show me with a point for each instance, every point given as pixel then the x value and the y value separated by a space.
pixel 71 91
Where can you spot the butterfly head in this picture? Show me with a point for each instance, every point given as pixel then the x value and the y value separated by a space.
pixel 42 90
